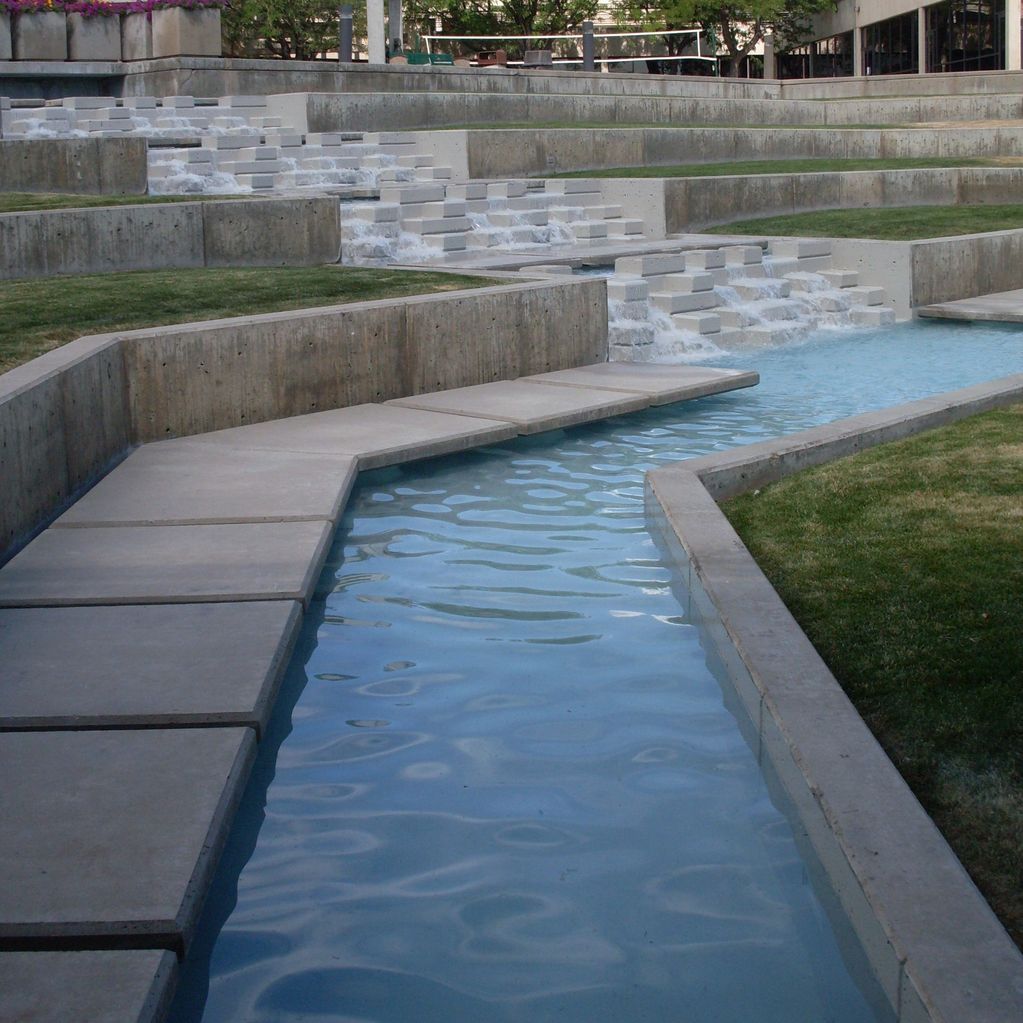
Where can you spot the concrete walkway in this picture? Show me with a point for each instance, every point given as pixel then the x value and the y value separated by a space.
pixel 1000 307
pixel 143 638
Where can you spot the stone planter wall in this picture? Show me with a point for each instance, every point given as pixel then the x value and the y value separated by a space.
pixel 39 36
pixel 93 38
pixel 182 33
pixel 54 35
pixel 136 37
pixel 6 52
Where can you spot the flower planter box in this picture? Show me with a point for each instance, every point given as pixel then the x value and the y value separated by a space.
pixel 6 51
pixel 93 38
pixel 136 37
pixel 179 32
pixel 41 35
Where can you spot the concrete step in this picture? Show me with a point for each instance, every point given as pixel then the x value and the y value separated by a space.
pixel 866 295
pixel 872 316
pixel 625 228
pixel 628 289
pixel 689 282
pixel 518 218
pixel 697 323
pixel 742 255
pixel 776 333
pixel 678 302
pixel 589 229
pixel 841 278
pixel 655 265
pixel 377 212
pixel 435 225
pixel 754 290
pixel 772 310
pixel 704 259
pixel 800 248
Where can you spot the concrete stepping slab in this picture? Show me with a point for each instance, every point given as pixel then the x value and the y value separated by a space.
pixel 167 564
pixel 162 665
pixel 183 482
pixel 89 987
pixel 377 434
pixel 662 385
pixel 532 407
pixel 111 837
pixel 998 307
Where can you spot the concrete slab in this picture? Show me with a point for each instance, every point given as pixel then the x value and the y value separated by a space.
pixel 376 434
pixel 167 564
pixel 182 482
pixel 98 987
pixel 1000 307
pixel 111 837
pixel 532 407
pixel 144 665
pixel 661 384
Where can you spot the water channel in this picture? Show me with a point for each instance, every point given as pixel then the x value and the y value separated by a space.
pixel 502 783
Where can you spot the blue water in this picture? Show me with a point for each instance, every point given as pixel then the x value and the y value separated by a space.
pixel 502 783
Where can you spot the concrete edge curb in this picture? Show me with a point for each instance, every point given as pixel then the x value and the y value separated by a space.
pixel 935 946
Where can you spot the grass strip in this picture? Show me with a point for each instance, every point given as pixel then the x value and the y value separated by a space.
pixel 902 565
pixel 29 202
pixel 800 166
pixel 901 223
pixel 40 315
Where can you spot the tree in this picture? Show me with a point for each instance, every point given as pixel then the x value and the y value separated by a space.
pixel 494 17
pixel 291 29
pixel 737 25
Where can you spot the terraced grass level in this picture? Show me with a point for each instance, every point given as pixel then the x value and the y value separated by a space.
pixel 900 223
pixel 902 566
pixel 799 166
pixel 40 315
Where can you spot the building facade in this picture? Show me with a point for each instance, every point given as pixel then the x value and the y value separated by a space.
pixel 896 37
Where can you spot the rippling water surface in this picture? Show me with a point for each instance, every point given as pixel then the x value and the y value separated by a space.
pixel 502 784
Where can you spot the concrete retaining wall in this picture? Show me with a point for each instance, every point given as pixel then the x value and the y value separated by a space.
pixel 78 166
pixel 489 154
pixel 386 111
pixel 223 77
pixel 936 269
pixel 693 203
pixel 65 417
pixel 970 83
pixel 935 947
pixel 158 236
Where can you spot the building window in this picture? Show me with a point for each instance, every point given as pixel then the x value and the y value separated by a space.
pixel 825 58
pixel 890 47
pixel 966 35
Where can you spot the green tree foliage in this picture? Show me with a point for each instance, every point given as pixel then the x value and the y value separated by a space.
pixel 291 29
pixel 737 25
pixel 494 17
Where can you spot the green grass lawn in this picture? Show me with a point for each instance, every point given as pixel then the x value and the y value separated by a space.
pixel 903 566
pixel 799 166
pixel 27 202
pixel 902 223
pixel 40 315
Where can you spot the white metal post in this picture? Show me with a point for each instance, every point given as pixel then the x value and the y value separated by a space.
pixel 375 31
pixel 1012 36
